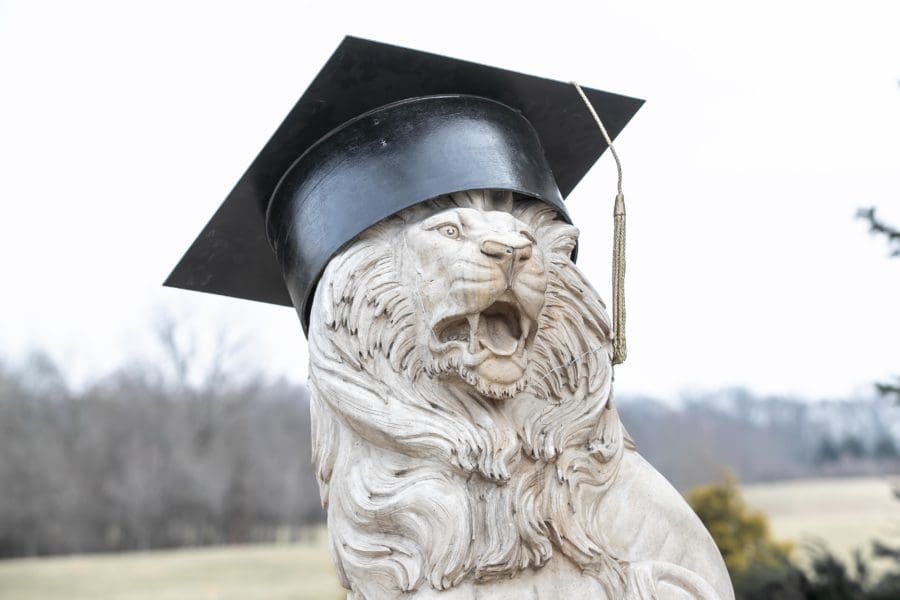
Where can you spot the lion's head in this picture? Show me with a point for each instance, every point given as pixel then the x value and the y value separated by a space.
pixel 460 369
pixel 475 285
pixel 479 279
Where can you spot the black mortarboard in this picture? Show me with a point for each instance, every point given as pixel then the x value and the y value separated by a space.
pixel 382 128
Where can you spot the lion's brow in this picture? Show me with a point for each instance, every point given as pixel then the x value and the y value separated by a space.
pixel 449 216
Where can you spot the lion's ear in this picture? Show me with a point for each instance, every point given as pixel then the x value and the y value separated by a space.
pixel 554 236
pixel 561 238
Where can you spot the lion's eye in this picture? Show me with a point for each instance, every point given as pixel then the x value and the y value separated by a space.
pixel 450 231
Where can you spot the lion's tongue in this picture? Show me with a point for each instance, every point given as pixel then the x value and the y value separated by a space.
pixel 494 333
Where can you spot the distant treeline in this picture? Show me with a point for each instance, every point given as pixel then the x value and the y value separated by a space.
pixel 145 459
pixel 764 438
pixel 137 461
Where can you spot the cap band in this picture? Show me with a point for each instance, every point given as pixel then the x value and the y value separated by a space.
pixel 390 159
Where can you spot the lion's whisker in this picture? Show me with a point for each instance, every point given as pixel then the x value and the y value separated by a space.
pixel 548 373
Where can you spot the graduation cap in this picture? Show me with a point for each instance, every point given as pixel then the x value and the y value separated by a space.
pixel 382 128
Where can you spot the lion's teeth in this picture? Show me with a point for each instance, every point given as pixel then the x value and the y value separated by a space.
pixel 526 327
pixel 473 332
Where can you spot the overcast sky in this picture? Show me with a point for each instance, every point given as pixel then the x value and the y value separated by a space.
pixel 123 125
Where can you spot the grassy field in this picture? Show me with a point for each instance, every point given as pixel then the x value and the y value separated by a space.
pixel 276 572
pixel 845 513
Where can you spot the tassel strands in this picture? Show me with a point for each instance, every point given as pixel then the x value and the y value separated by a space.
pixel 620 350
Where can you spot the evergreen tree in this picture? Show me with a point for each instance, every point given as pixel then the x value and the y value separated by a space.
pixel 741 534
pixel 828 452
pixel 853 447
pixel 881 228
pixel 885 449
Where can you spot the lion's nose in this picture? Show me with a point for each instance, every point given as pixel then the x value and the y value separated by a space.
pixel 506 247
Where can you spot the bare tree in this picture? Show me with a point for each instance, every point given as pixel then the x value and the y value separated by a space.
pixel 146 457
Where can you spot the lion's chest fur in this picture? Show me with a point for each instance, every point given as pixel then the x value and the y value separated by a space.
pixel 456 539
pixel 557 579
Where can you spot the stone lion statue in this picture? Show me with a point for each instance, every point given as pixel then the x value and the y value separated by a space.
pixel 465 438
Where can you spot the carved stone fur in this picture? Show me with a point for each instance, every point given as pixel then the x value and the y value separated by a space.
pixel 465 438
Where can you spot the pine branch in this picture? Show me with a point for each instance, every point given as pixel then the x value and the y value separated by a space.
pixel 879 227
pixel 889 389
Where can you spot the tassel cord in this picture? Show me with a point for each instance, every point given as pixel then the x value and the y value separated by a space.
pixel 620 351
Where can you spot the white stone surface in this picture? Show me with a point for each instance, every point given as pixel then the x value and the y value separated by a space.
pixel 465 438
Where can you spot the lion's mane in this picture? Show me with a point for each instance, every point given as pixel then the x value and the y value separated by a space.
pixel 431 484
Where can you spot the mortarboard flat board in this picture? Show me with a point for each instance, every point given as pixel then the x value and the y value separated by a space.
pixel 397 117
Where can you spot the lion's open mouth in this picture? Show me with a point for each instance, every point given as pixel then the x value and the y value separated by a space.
pixel 502 329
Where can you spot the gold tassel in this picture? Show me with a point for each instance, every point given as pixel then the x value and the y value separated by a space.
pixel 620 351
